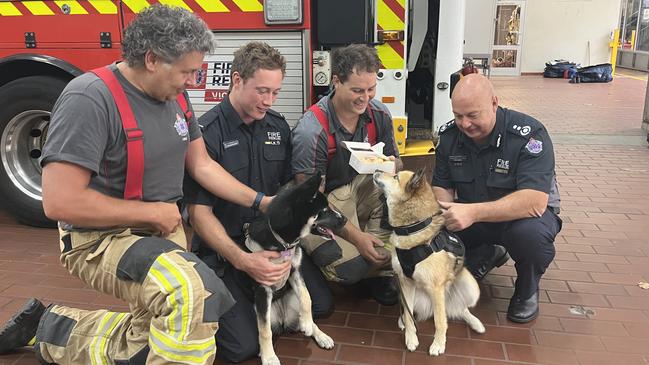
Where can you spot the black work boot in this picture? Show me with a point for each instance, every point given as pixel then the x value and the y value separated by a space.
pixel 383 289
pixel 21 328
pixel 480 267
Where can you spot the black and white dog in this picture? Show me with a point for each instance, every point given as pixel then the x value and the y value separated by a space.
pixel 293 213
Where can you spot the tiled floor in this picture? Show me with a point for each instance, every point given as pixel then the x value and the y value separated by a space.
pixel 592 311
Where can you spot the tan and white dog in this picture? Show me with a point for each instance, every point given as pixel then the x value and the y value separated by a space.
pixel 428 260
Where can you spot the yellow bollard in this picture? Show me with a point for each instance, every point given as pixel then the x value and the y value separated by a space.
pixel 633 40
pixel 614 45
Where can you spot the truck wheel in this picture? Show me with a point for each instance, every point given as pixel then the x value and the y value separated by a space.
pixel 24 119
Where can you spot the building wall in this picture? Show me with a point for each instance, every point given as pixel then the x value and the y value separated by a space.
pixel 563 29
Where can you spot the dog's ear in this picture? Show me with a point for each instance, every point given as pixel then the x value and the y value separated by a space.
pixel 416 181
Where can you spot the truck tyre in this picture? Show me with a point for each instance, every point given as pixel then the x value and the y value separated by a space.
pixel 24 119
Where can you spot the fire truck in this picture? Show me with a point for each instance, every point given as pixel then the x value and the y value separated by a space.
pixel 44 44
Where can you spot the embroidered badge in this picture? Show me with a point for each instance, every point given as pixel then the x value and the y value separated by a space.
pixel 228 144
pixel 525 130
pixel 274 136
pixel 534 146
pixel 502 166
pixel 181 126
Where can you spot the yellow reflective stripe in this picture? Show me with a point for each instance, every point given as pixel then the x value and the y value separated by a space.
pixel 213 6
pixel 9 9
pixel 109 334
pixel 389 57
pixel 177 3
pixel 38 8
pixel 104 6
pixel 188 352
pixel 387 19
pixel 75 7
pixel 166 288
pixel 96 357
pixel 167 274
pixel 249 5
pixel 136 6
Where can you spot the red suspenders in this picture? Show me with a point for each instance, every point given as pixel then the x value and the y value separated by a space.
pixel 331 139
pixel 134 135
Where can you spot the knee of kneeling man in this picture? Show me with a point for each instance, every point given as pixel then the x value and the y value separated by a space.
pixel 353 270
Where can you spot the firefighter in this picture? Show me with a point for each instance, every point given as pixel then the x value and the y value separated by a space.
pixel 349 113
pixel 252 142
pixel 494 177
pixel 133 249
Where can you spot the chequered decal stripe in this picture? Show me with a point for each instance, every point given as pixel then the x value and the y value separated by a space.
pixel 391 16
pixel 83 7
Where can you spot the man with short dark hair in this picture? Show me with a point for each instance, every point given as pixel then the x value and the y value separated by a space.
pixel 252 142
pixel 119 140
pixel 494 177
pixel 349 113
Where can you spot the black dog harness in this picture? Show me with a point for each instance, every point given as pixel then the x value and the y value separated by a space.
pixel 444 240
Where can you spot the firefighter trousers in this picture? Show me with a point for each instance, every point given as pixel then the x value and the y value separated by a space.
pixel 339 259
pixel 175 303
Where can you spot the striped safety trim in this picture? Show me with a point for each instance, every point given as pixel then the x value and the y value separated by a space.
pixel 171 342
pixel 391 15
pixel 98 349
pixel 84 7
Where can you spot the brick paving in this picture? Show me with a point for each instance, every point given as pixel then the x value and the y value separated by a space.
pixel 592 311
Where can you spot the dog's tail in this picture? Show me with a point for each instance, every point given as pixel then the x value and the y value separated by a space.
pixel 463 293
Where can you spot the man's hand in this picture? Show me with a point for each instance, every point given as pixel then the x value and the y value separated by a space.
pixel 262 270
pixel 366 244
pixel 166 218
pixel 458 216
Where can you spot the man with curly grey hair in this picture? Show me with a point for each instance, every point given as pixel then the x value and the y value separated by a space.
pixel 113 188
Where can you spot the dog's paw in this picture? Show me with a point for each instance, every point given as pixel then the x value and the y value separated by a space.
pixel 436 349
pixel 271 360
pixel 400 323
pixel 412 342
pixel 478 327
pixel 324 341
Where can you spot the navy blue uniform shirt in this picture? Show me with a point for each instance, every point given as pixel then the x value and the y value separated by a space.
pixel 258 155
pixel 518 155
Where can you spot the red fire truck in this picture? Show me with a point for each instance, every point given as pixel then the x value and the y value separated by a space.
pixel 44 44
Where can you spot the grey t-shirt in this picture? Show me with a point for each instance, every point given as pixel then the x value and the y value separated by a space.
pixel 86 130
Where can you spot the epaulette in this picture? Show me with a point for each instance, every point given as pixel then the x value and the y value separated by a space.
pixel 524 129
pixel 446 127
pixel 276 114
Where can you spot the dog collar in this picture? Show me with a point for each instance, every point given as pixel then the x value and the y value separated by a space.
pixel 287 246
pixel 415 227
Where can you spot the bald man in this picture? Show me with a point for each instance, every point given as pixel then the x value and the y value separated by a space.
pixel 494 177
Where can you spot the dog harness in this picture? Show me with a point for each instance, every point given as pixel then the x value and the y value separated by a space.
pixel 444 240
pixel 331 140
pixel 134 135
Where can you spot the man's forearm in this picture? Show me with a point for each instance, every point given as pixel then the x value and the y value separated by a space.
pixel 520 204
pixel 444 194
pixel 349 232
pixel 219 182
pixel 210 229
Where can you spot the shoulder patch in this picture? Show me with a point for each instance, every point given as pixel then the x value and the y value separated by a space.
pixel 447 126
pixel 534 146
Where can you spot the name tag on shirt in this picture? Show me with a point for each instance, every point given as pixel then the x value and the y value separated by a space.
pixel 228 144
pixel 457 160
